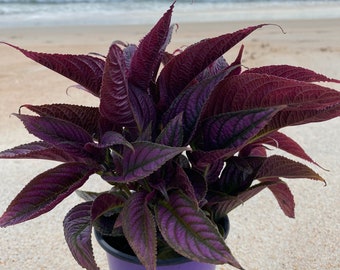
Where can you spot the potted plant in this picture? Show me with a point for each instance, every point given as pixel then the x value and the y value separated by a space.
pixel 181 138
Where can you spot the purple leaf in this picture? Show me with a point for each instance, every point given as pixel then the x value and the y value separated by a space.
pixel 45 191
pixel 114 94
pixel 143 107
pixel 85 117
pixel 39 150
pixel 291 72
pixel 128 53
pixel 109 138
pixel 60 133
pixel 104 203
pixel 287 144
pixel 83 69
pixel 279 166
pixel 143 160
pixel 190 233
pixel 146 59
pixel 77 231
pixel 213 69
pixel 184 67
pixel 172 134
pixel 238 174
pixel 283 196
pixel 181 181
pixel 140 229
pixel 223 204
pixel 306 102
pixel 233 130
pixel 191 101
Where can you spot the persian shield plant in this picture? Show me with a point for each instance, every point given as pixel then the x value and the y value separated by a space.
pixel 181 138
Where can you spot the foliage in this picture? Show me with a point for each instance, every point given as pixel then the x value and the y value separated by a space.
pixel 182 138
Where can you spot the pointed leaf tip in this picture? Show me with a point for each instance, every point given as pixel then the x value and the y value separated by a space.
pixel 83 69
pixel 45 191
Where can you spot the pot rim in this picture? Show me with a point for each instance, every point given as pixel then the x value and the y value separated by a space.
pixel 133 259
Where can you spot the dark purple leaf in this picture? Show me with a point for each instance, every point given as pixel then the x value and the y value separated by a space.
pixel 143 107
pixel 104 203
pixel 109 138
pixel 60 133
pixel 85 117
pixel 279 166
pixel 237 63
pixel 287 144
pixel 306 102
pixel 83 69
pixel 233 130
pixel 283 196
pixel 190 233
pixel 172 134
pixel 104 212
pixel 39 150
pixel 45 191
pixel 291 72
pixel 77 230
pixel 223 204
pixel 139 228
pixel 114 94
pixel 213 69
pixel 238 174
pixel 190 102
pixel 181 181
pixel 184 67
pixel 143 160
pixel 146 59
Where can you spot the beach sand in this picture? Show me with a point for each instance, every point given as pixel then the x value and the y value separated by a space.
pixel 261 237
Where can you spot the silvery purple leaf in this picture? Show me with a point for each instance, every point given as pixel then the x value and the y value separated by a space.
pixel 233 130
pixel 190 102
pixel 139 228
pixel 305 102
pixel 173 132
pixel 62 134
pixel 39 150
pixel 77 231
pixel 85 117
pixel 104 203
pixel 45 191
pixel 190 233
pixel 114 94
pixel 183 68
pixel 143 160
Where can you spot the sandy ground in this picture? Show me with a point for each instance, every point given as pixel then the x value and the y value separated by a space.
pixel 261 237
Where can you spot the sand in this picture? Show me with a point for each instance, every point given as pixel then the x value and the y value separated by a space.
pixel 261 237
